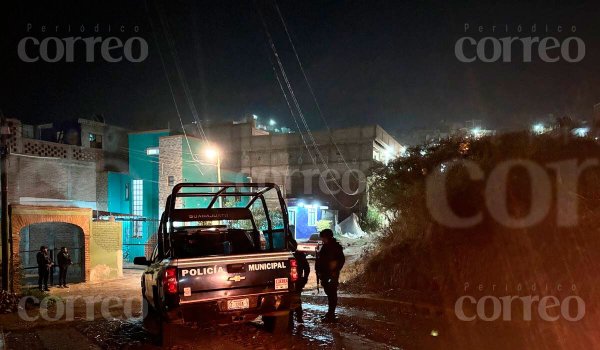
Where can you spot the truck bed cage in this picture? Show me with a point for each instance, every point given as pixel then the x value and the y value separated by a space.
pixel 254 190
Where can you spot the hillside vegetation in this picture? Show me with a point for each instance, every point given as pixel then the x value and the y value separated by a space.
pixel 424 251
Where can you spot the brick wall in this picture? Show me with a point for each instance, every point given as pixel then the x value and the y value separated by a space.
pixel 23 216
pixel 102 190
pixel 51 178
pixel 171 164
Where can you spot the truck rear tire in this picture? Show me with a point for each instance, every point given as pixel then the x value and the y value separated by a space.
pixel 278 324
pixel 151 321
pixel 163 333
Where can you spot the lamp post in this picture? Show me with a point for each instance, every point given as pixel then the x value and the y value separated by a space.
pixel 213 152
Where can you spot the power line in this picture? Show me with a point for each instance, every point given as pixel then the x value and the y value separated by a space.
pixel 186 90
pixel 300 114
pixel 167 76
pixel 308 84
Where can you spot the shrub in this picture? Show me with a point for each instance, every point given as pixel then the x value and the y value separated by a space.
pixel 371 220
pixel 417 252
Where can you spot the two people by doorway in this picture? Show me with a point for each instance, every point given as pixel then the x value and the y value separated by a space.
pixel 45 265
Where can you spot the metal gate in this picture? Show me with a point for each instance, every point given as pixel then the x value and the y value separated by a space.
pixel 53 235
pixel 136 233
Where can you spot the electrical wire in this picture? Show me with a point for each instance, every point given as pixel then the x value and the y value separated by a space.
pixel 186 90
pixel 167 75
pixel 309 85
pixel 300 114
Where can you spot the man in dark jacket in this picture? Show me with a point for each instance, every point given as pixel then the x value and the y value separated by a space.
pixel 64 260
pixel 44 264
pixel 330 260
pixel 303 271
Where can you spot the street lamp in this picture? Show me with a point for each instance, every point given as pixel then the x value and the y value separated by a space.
pixel 212 153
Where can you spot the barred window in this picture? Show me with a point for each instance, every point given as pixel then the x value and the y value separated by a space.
pixel 138 206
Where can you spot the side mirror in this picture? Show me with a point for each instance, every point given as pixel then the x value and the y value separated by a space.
pixel 141 260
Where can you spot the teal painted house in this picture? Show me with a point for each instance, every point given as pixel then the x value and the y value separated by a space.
pixel 119 193
pixel 135 199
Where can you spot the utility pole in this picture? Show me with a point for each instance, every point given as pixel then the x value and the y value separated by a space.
pixel 4 133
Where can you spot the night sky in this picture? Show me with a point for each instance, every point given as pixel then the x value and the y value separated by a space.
pixel 385 62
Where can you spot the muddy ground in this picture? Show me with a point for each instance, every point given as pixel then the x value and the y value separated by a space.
pixel 364 322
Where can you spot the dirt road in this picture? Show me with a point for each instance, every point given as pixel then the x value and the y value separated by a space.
pixel 364 323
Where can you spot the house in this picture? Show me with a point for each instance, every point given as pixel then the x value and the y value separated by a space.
pixel 305 216
pixel 276 155
pixel 158 160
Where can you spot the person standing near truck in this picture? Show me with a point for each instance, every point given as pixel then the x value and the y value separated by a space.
pixel 330 260
pixel 303 272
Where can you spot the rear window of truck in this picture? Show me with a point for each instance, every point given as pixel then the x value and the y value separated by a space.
pixel 198 243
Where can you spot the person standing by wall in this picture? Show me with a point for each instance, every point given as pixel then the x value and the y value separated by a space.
pixel 64 260
pixel 44 263
pixel 330 260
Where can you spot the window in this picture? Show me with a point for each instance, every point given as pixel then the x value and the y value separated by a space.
pixel 95 140
pixel 292 216
pixel 199 243
pixel 152 151
pixel 138 206
pixel 312 216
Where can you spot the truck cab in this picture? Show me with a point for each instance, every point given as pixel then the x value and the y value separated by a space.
pixel 222 256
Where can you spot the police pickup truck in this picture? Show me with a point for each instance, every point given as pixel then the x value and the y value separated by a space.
pixel 223 264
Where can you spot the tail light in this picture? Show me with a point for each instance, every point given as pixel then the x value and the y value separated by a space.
pixel 170 280
pixel 293 270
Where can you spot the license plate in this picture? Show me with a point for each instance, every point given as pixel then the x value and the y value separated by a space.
pixel 238 304
pixel 305 248
pixel 281 283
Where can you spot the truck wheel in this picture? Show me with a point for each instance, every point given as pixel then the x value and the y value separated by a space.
pixel 277 324
pixel 151 321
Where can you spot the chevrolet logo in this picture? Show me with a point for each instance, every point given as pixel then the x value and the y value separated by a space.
pixel 236 278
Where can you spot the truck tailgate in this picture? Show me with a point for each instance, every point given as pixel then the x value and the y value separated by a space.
pixel 218 277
